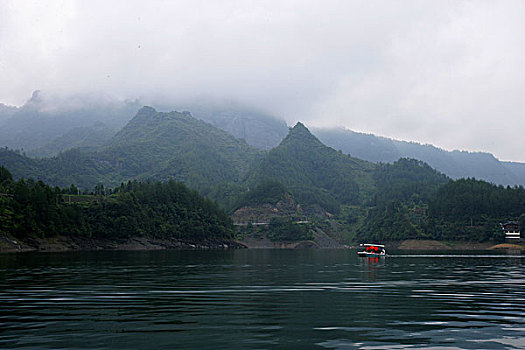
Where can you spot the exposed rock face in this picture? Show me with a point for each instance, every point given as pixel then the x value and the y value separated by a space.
pixel 263 213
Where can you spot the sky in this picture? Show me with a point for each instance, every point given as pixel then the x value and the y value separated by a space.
pixel 447 73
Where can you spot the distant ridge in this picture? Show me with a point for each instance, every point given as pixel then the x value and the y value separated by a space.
pixel 45 118
pixel 84 137
pixel 259 129
pixel 455 164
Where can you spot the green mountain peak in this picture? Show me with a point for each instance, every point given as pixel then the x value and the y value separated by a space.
pixel 315 174
pixel 301 137
pixel 177 146
pixel 300 129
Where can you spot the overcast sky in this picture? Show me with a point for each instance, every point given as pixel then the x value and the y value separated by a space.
pixel 447 73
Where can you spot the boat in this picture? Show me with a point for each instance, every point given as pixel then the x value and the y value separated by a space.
pixel 372 250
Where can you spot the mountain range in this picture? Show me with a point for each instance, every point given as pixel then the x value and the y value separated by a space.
pixel 153 145
pixel 455 164
pixel 338 192
pixel 43 127
pixel 44 118
pixel 161 146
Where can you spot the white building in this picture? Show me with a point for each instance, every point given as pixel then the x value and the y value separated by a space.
pixel 511 230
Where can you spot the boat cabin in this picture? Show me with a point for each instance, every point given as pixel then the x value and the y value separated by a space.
pixel 373 249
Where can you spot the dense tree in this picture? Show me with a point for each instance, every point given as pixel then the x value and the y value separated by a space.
pixel 472 201
pixel 136 208
pixel 414 201
pixel 267 192
pixel 406 180
pixel 388 222
pixel 283 229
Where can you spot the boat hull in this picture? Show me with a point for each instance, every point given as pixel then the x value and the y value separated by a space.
pixel 371 255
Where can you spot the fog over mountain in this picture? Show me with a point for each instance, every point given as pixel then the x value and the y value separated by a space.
pixel 46 117
pixel 48 124
pixel 447 73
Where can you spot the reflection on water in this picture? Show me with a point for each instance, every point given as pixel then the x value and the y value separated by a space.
pixel 261 299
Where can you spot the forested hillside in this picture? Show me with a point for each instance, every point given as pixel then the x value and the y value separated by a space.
pixel 398 209
pixel 87 138
pixel 177 146
pixel 152 145
pixel 473 201
pixel 314 173
pixel 30 209
pixel 464 209
pixel 301 177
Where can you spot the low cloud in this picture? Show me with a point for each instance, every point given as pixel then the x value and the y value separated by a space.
pixel 447 73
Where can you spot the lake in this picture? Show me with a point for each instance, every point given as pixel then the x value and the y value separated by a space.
pixel 261 299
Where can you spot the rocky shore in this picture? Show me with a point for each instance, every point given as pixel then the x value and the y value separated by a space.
pixel 64 243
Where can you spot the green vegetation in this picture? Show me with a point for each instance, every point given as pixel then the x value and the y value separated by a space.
pixel 267 192
pixel 300 177
pixel 153 145
pixel 465 200
pixel 388 222
pixel 468 208
pixel 465 209
pixel 398 208
pixel 406 180
pixel 85 137
pixel 314 173
pixel 152 209
pixel 160 210
pixel 284 229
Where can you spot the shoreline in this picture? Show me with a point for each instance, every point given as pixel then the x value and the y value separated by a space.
pixel 414 244
pixel 70 244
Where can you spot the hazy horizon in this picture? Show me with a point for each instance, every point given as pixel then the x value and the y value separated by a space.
pixel 449 74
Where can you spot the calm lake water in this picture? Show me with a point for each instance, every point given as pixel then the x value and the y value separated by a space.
pixel 261 299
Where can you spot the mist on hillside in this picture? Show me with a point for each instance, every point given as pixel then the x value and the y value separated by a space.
pixel 448 74
pixel 47 119
pixel 48 124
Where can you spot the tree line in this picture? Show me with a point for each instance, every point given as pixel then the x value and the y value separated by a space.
pixel 413 201
pixel 31 208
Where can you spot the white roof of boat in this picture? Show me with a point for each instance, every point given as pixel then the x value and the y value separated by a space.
pixel 371 245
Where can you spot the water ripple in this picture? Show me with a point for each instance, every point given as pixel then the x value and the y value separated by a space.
pixel 267 299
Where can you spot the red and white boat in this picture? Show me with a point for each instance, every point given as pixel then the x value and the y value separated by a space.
pixel 372 250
